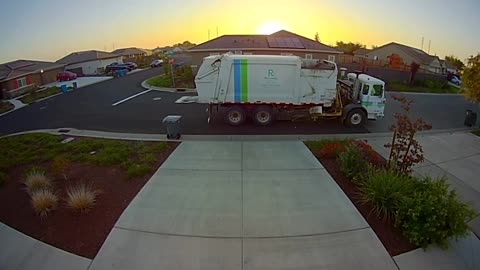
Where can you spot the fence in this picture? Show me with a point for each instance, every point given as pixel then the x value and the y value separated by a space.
pixel 393 75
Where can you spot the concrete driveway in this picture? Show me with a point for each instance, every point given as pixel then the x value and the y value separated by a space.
pixel 242 205
pixel 81 81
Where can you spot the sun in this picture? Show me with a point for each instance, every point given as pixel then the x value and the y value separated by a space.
pixel 269 28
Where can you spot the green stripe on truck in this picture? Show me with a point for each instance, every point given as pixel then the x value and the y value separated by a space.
pixel 244 80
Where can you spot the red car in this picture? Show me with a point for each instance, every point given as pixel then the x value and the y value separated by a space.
pixel 66 76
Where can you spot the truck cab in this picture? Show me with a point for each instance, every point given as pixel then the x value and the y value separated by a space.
pixel 371 95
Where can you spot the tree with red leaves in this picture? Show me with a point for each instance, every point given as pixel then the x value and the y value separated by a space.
pixel 405 151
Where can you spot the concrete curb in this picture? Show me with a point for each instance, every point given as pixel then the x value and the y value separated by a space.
pixel 163 137
pixel 16 105
pixel 145 85
pixel 422 94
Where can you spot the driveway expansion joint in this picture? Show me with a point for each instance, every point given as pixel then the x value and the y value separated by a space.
pixel 244 237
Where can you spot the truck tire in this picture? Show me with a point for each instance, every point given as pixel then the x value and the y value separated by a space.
pixel 356 118
pixel 263 115
pixel 235 116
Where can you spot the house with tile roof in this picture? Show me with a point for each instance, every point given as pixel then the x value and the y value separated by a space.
pixel 89 62
pixel 401 54
pixel 17 77
pixel 278 43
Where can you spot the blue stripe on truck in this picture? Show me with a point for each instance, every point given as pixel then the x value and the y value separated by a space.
pixel 236 80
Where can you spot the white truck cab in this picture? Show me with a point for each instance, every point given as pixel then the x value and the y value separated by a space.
pixel 372 95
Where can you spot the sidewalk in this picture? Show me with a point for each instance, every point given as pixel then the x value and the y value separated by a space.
pixel 242 205
pixel 456 156
pixel 19 251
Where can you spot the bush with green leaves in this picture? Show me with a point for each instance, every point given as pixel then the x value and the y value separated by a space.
pixel 351 162
pixel 384 189
pixel 433 214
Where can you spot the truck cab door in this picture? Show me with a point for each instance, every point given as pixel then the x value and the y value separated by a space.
pixel 373 100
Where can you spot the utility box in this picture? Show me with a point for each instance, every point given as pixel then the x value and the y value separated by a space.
pixel 172 123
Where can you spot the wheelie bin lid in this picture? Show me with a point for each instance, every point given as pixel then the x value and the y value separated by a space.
pixel 170 119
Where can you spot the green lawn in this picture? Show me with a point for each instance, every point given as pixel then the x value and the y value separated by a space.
pixel 181 81
pixel 160 81
pixel 431 88
pixel 137 158
pixel 32 97
pixel 476 132
pixel 5 106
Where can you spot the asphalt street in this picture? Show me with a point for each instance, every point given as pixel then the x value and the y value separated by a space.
pixel 91 108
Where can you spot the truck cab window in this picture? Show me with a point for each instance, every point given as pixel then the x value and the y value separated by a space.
pixel 377 90
pixel 366 87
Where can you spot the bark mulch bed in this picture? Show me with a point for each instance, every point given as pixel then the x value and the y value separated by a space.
pixel 390 236
pixel 81 234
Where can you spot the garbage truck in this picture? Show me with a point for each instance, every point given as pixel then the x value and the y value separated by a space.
pixel 266 88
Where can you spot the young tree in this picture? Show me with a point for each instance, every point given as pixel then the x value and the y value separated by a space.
pixel 471 79
pixel 317 37
pixel 405 150
pixel 413 71
pixel 454 61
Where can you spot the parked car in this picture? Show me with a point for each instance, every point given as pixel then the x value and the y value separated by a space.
pixel 455 80
pixel 66 76
pixel 111 69
pixel 120 65
pixel 156 63
pixel 132 65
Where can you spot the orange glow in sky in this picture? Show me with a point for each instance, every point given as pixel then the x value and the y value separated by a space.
pixel 151 23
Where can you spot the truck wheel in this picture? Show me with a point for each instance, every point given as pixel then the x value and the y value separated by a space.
pixel 356 118
pixel 235 116
pixel 263 116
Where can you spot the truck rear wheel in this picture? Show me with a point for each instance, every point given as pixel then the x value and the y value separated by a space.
pixel 235 116
pixel 355 118
pixel 263 115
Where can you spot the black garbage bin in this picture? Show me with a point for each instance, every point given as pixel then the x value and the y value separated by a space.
pixel 172 123
pixel 470 118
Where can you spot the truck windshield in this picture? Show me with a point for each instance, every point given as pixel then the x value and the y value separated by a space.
pixel 377 90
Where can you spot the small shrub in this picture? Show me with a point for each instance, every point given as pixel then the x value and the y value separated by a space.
pixel 368 154
pixel 351 162
pixel 328 148
pixel 433 214
pixel 384 189
pixel 136 170
pixel 37 180
pixel 3 178
pixel 59 166
pixel 44 201
pixel 81 197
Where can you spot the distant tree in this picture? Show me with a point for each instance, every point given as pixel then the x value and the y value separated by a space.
pixel 471 79
pixel 374 47
pixel 317 37
pixel 454 61
pixel 186 44
pixel 350 47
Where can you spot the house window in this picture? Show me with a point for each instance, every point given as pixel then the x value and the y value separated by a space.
pixel 247 53
pixel 21 82
pixel 238 52
pixel 211 54
pixel 286 54
pixel 308 56
pixel 331 58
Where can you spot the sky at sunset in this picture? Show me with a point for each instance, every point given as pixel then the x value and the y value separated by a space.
pixel 50 29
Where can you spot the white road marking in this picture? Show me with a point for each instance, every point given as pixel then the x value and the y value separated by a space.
pixel 130 97
pixel 187 99
pixel 157 98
